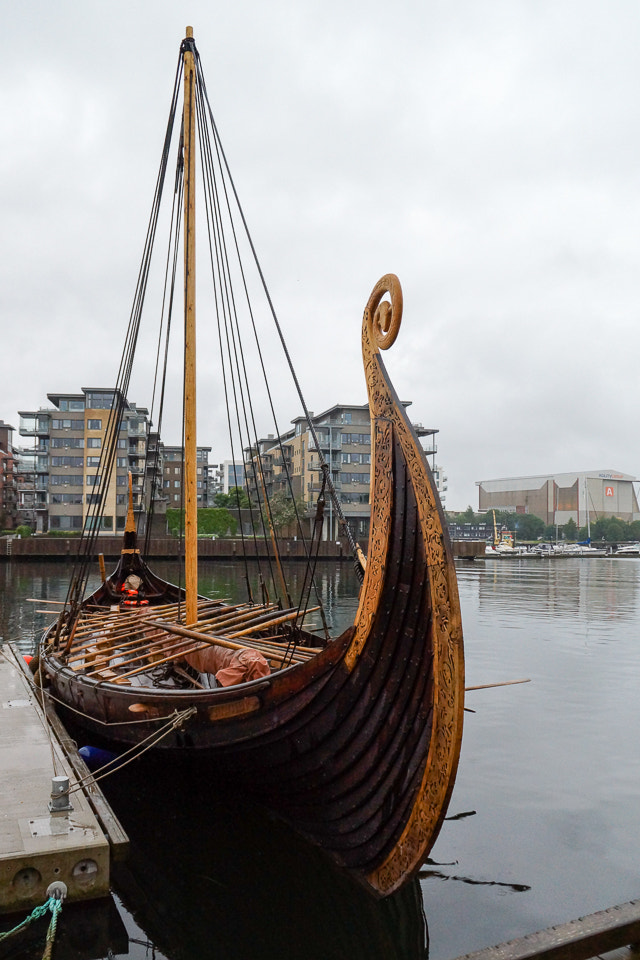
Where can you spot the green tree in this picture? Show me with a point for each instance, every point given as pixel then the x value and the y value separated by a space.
pixel 616 530
pixel 236 499
pixel 528 526
pixel 570 530
pixel 634 530
pixel 283 510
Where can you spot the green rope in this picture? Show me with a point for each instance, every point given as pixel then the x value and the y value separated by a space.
pixel 55 906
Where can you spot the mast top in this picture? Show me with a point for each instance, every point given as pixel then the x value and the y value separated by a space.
pixel 189 32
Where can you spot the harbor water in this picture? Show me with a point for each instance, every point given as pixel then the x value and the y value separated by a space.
pixel 544 821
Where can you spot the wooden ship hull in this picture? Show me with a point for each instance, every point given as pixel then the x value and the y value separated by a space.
pixel 358 746
pixel 353 741
pixel 291 887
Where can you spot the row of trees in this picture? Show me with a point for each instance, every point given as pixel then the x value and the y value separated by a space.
pixel 527 526
pixel 222 520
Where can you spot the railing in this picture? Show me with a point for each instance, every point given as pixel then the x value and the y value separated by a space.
pixel 317 487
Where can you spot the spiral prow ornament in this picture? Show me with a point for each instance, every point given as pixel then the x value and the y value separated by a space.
pixel 382 317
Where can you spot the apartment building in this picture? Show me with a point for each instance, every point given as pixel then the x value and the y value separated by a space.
pixel 344 440
pixel 8 479
pixel 172 461
pixel 63 464
pixel 230 474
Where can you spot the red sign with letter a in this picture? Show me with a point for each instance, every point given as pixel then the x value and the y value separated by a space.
pixel 608 491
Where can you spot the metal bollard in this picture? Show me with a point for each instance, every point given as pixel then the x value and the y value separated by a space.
pixel 59 795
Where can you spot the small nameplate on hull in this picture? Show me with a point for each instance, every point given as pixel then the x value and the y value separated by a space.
pixel 234 709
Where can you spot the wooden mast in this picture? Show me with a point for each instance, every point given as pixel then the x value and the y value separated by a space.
pixel 190 452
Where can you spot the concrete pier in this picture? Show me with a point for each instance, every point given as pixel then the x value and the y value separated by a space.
pixel 40 846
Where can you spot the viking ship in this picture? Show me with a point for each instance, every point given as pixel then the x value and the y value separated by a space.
pixel 352 739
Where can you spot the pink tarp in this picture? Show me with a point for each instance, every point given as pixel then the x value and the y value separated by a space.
pixel 229 666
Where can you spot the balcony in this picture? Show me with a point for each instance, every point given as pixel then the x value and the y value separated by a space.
pixel 317 487
pixel 34 426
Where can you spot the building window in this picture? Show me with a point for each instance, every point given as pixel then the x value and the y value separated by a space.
pixel 356 458
pixel 94 424
pixel 67 442
pixel 65 523
pixel 94 441
pixel 121 462
pixel 121 498
pixel 99 401
pixel 176 483
pixel 93 461
pixel 67 424
pixel 66 461
pixel 71 479
pixel 355 478
pixel 122 444
pixel 94 480
pixel 93 498
pixel 121 481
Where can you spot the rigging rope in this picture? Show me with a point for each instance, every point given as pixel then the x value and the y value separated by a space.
pixel 219 191
pixel 235 351
pixel 226 310
pixel 86 547
pixel 355 549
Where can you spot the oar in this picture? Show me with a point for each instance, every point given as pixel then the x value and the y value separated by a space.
pixel 44 600
pixel 203 638
pixel 271 622
pixel 503 683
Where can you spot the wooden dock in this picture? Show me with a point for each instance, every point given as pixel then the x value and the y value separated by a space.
pixel 39 846
pixel 595 935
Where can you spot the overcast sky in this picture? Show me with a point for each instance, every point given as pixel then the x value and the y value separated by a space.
pixel 486 153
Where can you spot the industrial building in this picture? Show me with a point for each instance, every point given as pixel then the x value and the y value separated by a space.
pixel 560 497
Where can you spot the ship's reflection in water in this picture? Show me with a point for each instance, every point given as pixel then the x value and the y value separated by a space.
pixel 212 875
